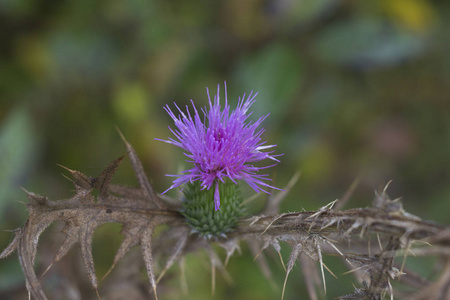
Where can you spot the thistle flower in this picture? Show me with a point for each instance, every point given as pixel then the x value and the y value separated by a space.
pixel 222 145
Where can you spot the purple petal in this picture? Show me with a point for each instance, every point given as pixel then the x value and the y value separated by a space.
pixel 217 197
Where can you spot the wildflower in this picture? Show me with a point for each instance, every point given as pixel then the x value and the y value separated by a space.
pixel 222 145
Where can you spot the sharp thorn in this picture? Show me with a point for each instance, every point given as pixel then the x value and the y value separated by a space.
pixel 46 270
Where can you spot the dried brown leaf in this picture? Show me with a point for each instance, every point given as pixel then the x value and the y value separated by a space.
pixel 86 236
pixel 13 245
pixel 146 245
pixel 141 177
pixel 82 215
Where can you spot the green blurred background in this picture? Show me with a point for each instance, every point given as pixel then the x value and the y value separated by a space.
pixel 354 89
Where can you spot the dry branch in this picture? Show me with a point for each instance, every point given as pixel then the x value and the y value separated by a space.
pixel 309 234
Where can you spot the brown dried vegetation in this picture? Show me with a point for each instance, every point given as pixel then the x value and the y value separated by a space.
pixel 310 235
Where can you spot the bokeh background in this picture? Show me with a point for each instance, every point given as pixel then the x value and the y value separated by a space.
pixel 355 89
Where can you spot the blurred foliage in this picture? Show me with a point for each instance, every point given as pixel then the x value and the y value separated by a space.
pixel 354 88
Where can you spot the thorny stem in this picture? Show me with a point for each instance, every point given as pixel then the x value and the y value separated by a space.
pixel 378 221
pixel 311 233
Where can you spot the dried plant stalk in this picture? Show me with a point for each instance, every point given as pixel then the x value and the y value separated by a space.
pixel 328 230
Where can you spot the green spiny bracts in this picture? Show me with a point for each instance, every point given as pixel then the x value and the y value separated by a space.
pixel 200 212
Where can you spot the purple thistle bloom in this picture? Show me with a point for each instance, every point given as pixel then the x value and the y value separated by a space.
pixel 222 145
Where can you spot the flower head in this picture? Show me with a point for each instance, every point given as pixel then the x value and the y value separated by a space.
pixel 222 144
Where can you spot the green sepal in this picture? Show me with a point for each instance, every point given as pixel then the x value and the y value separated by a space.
pixel 200 213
